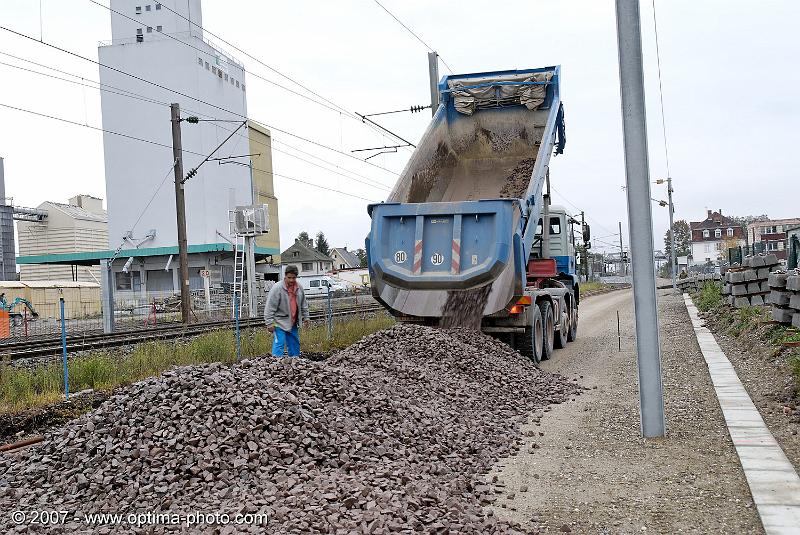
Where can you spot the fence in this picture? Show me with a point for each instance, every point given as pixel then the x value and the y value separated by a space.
pixel 158 309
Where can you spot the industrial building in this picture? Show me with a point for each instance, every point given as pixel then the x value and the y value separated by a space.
pixel 72 229
pixel 157 56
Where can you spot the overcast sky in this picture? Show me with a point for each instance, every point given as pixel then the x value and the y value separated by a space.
pixel 729 83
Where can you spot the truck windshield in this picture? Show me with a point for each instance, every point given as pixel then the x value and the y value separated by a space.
pixel 555 226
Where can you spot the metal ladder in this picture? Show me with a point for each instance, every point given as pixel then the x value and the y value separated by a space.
pixel 238 275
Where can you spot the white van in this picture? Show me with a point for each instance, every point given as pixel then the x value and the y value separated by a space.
pixel 317 285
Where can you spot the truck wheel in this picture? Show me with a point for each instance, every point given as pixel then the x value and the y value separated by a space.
pixel 560 336
pixel 572 332
pixel 530 344
pixel 548 329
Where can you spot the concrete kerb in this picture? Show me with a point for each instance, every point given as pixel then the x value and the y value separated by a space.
pixel 774 483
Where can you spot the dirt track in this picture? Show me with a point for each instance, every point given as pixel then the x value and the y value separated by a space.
pixel 585 468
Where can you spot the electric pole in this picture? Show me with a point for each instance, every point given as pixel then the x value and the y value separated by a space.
pixel 180 211
pixel 621 253
pixel 640 218
pixel 673 255
pixel 585 257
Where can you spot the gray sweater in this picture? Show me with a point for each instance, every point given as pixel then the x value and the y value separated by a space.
pixel 278 311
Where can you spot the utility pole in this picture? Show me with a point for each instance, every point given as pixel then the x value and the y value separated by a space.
pixel 180 211
pixel 621 254
pixel 673 255
pixel 640 218
pixel 584 258
pixel 433 73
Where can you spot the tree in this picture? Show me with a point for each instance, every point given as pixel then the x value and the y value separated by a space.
pixel 362 256
pixel 304 239
pixel 682 238
pixel 743 221
pixel 322 243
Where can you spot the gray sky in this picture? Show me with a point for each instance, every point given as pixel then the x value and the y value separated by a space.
pixel 728 70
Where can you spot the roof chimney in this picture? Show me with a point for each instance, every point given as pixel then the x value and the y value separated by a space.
pixel 709 214
pixel 720 211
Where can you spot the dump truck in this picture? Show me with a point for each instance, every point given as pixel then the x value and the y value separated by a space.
pixel 460 241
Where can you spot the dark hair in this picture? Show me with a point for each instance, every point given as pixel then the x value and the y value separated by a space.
pixel 290 269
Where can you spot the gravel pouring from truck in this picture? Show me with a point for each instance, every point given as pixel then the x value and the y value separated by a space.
pixel 460 225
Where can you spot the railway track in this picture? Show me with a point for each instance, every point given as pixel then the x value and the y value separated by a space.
pixel 42 347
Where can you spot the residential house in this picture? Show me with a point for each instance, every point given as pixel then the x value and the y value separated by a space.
pixel 770 236
pixel 344 259
pixel 710 236
pixel 308 260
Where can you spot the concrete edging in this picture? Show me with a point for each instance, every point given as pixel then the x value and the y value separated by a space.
pixel 773 481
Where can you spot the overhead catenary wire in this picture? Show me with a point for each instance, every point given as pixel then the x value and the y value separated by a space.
pixel 409 30
pixel 135 138
pixel 332 106
pixel 201 101
pixel 660 90
pixel 86 82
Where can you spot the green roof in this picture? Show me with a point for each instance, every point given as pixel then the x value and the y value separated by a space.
pixel 90 258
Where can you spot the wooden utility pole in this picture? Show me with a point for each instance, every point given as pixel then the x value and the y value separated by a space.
pixel 180 211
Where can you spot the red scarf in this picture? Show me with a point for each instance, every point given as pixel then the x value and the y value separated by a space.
pixel 292 290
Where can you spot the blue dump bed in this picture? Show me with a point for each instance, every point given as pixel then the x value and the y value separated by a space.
pixel 458 217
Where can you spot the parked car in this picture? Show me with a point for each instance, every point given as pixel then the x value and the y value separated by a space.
pixel 317 285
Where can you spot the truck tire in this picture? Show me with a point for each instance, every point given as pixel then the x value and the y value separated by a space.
pixel 530 343
pixel 560 336
pixel 548 329
pixel 572 332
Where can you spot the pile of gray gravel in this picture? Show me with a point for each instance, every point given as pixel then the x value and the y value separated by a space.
pixel 393 433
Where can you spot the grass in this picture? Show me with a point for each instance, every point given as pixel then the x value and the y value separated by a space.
pixel 591 286
pixel 709 297
pixel 22 388
pixel 741 321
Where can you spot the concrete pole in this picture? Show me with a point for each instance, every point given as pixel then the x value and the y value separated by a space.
pixel 107 293
pixel 433 73
pixel 640 218
pixel 180 211
pixel 621 261
pixel 673 255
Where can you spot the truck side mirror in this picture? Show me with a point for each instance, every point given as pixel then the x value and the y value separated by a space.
pixel 587 233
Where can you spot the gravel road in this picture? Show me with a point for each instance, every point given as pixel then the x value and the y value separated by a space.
pixel 583 467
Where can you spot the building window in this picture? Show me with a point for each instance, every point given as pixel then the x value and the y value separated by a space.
pixel 719 246
pixel 307 266
pixel 138 10
pixel 730 232
pixel 207 65
pixel 226 77
pixel 780 246
pixel 706 234
pixel 147 8
pixel 200 61
pixel 158 7
pixel 295 253
pixel 242 87
pixel 138 31
pixel 779 228
pixel 237 83
pixel 718 233
pixel 219 73
pixel 213 69
pixel 159 28
pixel 149 29
pixel 708 248
pixel 128 281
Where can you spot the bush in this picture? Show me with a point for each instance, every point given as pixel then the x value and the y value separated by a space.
pixel 709 297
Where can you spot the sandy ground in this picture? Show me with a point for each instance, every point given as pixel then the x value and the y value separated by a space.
pixel 583 467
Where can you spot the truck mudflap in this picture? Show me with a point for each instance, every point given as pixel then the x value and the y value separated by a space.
pixel 419 254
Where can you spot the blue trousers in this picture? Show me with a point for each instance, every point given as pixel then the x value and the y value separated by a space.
pixel 282 339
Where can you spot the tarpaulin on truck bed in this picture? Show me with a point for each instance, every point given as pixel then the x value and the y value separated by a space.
pixel 482 93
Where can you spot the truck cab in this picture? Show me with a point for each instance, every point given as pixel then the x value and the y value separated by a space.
pixel 560 246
